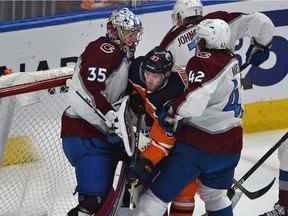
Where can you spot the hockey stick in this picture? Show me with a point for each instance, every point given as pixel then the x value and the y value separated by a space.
pixel 112 203
pixel 259 193
pixel 134 183
pixel 98 112
pixel 244 66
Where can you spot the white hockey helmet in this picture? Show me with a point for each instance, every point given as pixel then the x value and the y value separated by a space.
pixel 215 32
pixel 123 23
pixel 186 8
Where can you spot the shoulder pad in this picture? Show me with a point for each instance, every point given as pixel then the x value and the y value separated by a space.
pixel 227 17
pixel 103 53
pixel 206 66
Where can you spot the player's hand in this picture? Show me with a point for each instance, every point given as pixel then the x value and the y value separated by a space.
pixel 112 122
pixel 137 104
pixel 141 170
pixel 257 54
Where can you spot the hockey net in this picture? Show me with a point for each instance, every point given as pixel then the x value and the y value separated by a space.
pixel 35 177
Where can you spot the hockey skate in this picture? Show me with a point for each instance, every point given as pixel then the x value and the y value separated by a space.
pixel 277 211
pixel 77 211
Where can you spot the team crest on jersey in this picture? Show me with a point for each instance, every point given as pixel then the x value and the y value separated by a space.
pixel 203 55
pixel 107 48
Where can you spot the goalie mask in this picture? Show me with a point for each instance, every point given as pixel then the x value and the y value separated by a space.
pixel 124 28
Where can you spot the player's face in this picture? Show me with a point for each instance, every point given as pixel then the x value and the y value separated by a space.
pixel 131 38
pixel 153 80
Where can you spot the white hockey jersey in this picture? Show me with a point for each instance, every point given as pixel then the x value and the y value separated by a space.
pixel 211 109
pixel 100 77
pixel 181 41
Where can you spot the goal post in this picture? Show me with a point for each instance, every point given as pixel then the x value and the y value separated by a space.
pixel 35 176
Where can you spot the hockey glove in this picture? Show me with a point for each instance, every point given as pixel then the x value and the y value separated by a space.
pixel 112 122
pixel 142 171
pixel 137 103
pixel 257 54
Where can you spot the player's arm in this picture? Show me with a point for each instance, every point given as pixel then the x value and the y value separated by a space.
pixel 162 141
pixel 260 29
pixel 256 25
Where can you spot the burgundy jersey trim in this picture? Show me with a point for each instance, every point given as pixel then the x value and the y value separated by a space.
pixel 72 127
pixel 227 17
pixel 283 198
pixel 229 142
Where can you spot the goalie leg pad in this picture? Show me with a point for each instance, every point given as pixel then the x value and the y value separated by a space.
pixel 150 205
pixel 215 199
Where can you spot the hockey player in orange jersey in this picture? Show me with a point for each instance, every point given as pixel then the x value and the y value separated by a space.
pixel 154 85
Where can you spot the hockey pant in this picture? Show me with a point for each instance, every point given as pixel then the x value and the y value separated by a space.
pixel 185 164
pixel 94 161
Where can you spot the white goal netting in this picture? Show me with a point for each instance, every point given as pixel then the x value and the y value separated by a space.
pixel 35 176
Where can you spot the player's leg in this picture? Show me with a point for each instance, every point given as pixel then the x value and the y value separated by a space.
pixel 176 173
pixel 183 205
pixel 214 184
pixel 281 207
pixel 94 162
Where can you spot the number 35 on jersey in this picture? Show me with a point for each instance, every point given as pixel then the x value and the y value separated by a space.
pixel 97 74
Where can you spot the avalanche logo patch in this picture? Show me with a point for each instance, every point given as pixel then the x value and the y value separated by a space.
pixel 107 48
pixel 204 55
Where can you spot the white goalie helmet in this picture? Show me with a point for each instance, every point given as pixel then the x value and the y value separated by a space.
pixel 186 8
pixel 215 32
pixel 124 27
